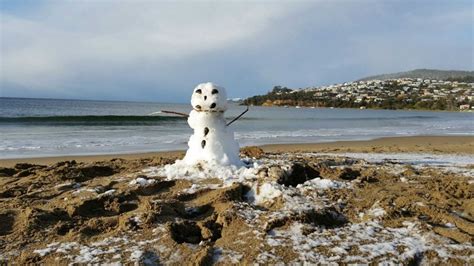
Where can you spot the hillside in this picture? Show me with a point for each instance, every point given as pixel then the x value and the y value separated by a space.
pixel 420 92
pixel 453 75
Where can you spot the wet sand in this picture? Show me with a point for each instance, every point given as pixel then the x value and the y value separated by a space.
pixel 412 144
pixel 415 144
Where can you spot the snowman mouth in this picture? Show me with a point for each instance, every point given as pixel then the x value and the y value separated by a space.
pixel 208 111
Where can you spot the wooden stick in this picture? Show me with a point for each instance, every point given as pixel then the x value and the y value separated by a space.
pixel 235 119
pixel 174 113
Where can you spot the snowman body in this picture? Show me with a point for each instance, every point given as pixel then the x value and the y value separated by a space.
pixel 212 142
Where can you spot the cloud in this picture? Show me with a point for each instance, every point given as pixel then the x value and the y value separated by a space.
pixel 68 42
pixel 148 50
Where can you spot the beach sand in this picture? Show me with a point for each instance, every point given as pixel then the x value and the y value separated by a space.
pixel 400 200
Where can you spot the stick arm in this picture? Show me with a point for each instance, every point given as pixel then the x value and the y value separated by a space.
pixel 238 117
pixel 175 113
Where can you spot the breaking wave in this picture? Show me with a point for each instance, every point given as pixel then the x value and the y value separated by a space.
pixel 91 120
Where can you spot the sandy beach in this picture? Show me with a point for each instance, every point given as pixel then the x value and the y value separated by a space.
pixel 398 200
pixel 414 144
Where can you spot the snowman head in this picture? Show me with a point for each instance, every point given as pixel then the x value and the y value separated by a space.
pixel 209 97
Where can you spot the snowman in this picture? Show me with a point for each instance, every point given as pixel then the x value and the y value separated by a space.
pixel 212 142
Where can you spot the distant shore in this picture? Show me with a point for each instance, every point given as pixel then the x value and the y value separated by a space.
pixel 367 108
pixel 410 144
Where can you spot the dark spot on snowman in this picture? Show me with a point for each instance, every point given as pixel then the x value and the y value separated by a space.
pixel 203 144
pixel 214 91
pixel 205 98
pixel 199 91
pixel 206 131
pixel 198 107
pixel 213 105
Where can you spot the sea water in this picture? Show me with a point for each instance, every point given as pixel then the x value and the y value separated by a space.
pixel 50 127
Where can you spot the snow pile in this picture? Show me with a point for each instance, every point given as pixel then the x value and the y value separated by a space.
pixel 142 181
pixel 263 189
pixel 228 174
pixel 318 183
pixel 264 193
pixel 212 140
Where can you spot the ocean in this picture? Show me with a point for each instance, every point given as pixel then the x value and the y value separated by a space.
pixel 51 127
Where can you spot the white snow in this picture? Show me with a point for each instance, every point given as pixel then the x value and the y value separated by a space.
pixel 376 212
pixel 43 252
pixel 223 255
pixel 142 181
pixel 264 193
pixel 181 170
pixel 136 255
pixel 107 193
pixel 104 251
pixel 318 183
pixel 370 239
pixel 136 219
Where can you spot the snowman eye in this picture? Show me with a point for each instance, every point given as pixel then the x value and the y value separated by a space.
pixel 198 107
pixel 214 91
pixel 213 105
pixel 199 91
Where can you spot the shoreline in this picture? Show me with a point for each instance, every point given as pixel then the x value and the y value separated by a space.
pixel 409 144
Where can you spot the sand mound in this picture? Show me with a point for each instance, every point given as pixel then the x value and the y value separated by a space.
pixel 281 208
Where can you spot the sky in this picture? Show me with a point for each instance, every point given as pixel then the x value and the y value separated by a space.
pixel 160 50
